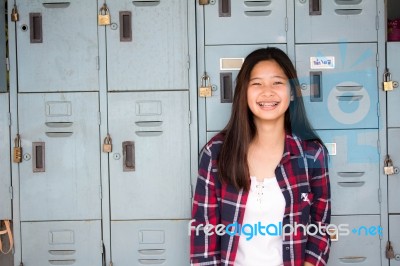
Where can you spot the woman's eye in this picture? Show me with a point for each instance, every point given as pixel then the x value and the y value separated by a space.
pixel 278 83
pixel 256 84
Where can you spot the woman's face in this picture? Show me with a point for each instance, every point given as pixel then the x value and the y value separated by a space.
pixel 268 92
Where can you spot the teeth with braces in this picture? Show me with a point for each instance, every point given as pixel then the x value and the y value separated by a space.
pixel 265 104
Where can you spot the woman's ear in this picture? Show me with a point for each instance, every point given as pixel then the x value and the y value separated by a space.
pixel 291 96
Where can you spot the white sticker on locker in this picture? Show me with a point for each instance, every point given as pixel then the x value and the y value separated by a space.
pixel 322 62
pixel 230 63
pixel 331 148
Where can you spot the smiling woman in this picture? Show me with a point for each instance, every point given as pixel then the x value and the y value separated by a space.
pixel 268 166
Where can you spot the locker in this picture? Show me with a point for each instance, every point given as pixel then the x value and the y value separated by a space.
pixel 147 45
pixel 222 64
pixel 75 243
pixel 163 242
pixel 150 162
pixel 5 177
pixel 394 237
pixel 361 246
pixel 339 84
pixel 57 46
pixel 60 171
pixel 394 180
pixel 335 21
pixel 234 22
pixel 354 170
pixel 393 107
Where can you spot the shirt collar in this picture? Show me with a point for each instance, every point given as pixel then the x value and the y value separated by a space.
pixel 292 147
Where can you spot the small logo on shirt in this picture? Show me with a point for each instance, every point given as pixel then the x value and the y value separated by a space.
pixel 304 197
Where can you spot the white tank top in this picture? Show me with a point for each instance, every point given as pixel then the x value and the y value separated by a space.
pixel 265 205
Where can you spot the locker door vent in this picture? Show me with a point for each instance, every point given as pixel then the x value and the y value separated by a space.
pixel 258 8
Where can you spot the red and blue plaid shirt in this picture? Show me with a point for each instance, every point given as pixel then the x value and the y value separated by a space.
pixel 302 175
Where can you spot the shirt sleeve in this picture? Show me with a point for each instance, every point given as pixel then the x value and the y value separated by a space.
pixel 318 246
pixel 205 247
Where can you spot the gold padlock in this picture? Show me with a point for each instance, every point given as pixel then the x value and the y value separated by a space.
pixel 107 145
pixel 205 89
pixel 388 168
pixel 387 82
pixel 204 2
pixel 389 251
pixel 104 16
pixel 14 14
pixel 17 156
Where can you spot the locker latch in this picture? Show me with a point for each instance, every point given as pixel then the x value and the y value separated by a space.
pixel 14 14
pixel 205 88
pixel 388 168
pixel 389 251
pixel 107 145
pixel 204 2
pixel 104 17
pixel 17 156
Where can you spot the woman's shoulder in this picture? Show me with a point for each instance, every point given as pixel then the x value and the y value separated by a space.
pixel 312 146
pixel 215 143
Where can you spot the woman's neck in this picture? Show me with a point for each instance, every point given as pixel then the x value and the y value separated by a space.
pixel 270 134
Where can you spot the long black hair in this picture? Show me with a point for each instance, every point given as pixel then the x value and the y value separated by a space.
pixel 241 130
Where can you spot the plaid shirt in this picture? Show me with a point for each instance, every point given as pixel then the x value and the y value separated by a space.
pixel 302 175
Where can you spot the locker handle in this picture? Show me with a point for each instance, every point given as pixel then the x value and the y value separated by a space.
pixel 348 2
pixel 258 13
pixel 316 86
pixel 352 259
pixel 315 7
pixel 349 88
pixel 59 134
pixel 151 261
pixel 59 124
pixel 224 8
pixel 146 2
pixel 38 151
pixel 62 262
pixel 128 148
pixel 149 123
pixel 351 174
pixel 152 251
pixel 148 133
pixel 349 98
pixel 351 184
pixel 56 5
pixel 257 3
pixel 226 87
pixel 36 30
pixel 125 29
pixel 348 12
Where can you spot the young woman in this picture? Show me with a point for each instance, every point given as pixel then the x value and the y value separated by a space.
pixel 263 196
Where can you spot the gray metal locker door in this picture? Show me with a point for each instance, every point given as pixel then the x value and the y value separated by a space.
pixel 57 46
pixel 324 21
pixel 76 243
pixel 394 237
pixel 394 180
pixel 354 170
pixel 339 83
pixel 147 45
pixel 235 22
pixel 150 162
pixel 222 64
pixel 164 242
pixel 60 172
pixel 3 56
pixel 393 106
pixel 361 246
pixel 5 177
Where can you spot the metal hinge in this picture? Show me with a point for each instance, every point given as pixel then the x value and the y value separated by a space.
pixel 377 22
pixel 190 117
pixel 379 195
pixel 102 246
pixel 286 24
pixel 10 189
pixel 378 144
pixel 8 64
pixel 378 112
pixel 97 62
pixel 100 192
pixel 188 61
pixel 9 119
pixel 377 60
pixel 99 118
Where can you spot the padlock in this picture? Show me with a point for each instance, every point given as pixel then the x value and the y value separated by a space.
pixel 14 14
pixel 387 81
pixel 17 156
pixel 389 251
pixel 388 168
pixel 205 89
pixel 204 2
pixel 107 145
pixel 104 16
